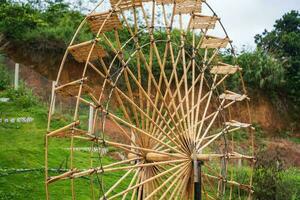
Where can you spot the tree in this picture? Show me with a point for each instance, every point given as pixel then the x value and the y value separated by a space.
pixel 284 43
pixel 262 70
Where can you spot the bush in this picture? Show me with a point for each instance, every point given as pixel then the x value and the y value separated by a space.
pixel 4 77
pixel 23 97
pixel 271 180
pixel 260 71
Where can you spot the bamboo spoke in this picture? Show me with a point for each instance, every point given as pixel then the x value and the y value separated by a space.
pixel 144 92
pixel 132 182
pixel 176 180
pixel 165 182
pixel 158 82
pixel 148 180
pixel 143 132
pixel 117 183
pixel 218 135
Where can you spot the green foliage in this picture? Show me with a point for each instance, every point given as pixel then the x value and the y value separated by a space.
pixel 283 42
pixel 272 181
pixel 4 77
pixel 22 22
pixel 23 98
pixel 261 71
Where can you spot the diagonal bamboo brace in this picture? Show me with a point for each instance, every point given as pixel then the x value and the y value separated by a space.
pixel 157 157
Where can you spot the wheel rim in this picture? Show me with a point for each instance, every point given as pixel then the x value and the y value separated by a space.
pixel 174 108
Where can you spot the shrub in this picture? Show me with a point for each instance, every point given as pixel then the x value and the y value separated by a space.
pixel 270 179
pixel 4 77
pixel 23 97
pixel 260 71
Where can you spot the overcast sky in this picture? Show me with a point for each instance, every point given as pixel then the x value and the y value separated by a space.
pixel 243 19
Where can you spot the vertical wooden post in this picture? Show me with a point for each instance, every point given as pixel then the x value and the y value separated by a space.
pixel 91 119
pixel 16 83
pixel 53 98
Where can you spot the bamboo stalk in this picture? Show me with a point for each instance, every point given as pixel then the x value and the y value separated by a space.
pixel 61 176
pixel 106 169
pixel 145 93
pixel 163 75
pixel 233 183
pixel 206 109
pixel 211 122
pixel 116 92
pixel 75 118
pixel 146 181
pixel 162 71
pixel 117 183
pixel 165 182
pixel 131 183
pixel 147 150
pixel 67 127
pixel 218 135
pixel 180 175
pixel 143 132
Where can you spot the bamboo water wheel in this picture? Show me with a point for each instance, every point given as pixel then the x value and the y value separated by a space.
pixel 153 69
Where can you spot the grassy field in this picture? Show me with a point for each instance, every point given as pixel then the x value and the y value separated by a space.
pixel 22 156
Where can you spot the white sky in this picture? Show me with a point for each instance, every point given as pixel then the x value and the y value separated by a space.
pixel 243 19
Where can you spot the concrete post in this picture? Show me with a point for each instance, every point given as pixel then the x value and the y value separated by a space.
pixel 16 83
pixel 91 119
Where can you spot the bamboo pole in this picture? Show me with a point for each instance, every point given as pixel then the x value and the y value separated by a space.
pixel 117 91
pixel 106 169
pixel 165 182
pixel 67 127
pixel 117 183
pixel 131 183
pixel 146 181
pixel 144 133
pixel 211 122
pixel 180 175
pixel 145 93
pixel 162 71
pixel 233 183
pixel 206 109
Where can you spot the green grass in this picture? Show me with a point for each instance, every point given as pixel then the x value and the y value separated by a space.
pixel 22 147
